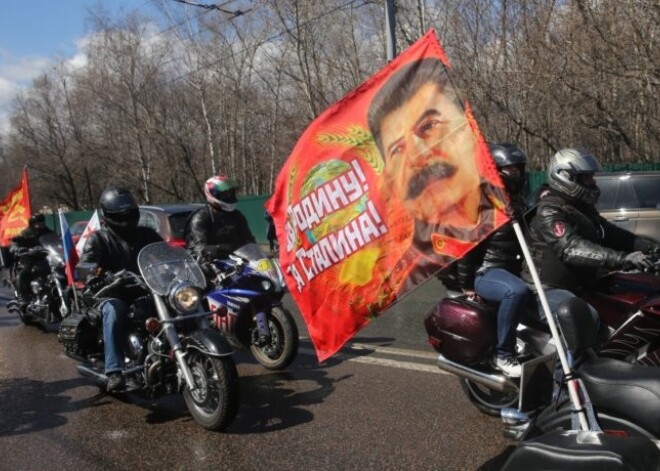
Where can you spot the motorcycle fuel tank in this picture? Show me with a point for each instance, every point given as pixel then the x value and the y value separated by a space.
pixel 462 330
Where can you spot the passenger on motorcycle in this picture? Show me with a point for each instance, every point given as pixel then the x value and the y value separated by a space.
pixel 217 229
pixel 114 247
pixel 26 240
pixel 570 241
pixel 492 270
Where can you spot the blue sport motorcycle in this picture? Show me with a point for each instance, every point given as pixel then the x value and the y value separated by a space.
pixel 246 305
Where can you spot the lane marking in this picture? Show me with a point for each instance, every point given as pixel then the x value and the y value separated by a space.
pixel 371 360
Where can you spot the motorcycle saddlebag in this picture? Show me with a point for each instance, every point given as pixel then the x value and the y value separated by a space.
pixel 584 451
pixel 76 335
pixel 463 331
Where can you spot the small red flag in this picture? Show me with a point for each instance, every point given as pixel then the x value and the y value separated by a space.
pixel 15 211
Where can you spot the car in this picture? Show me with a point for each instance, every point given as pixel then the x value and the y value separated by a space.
pixel 168 220
pixel 631 200
pixel 76 229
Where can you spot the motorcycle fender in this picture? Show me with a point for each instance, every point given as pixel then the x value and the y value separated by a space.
pixel 210 342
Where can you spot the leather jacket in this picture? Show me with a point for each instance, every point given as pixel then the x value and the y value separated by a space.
pixel 570 242
pixel 113 252
pixel 500 249
pixel 215 233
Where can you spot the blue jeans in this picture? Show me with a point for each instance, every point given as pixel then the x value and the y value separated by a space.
pixel 114 334
pixel 501 286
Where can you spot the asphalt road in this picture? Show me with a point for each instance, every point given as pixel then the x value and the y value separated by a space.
pixel 380 404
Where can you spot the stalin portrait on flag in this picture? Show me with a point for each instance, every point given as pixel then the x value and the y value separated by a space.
pixel 384 189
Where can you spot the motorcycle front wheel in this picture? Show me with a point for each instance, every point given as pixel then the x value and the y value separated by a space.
pixel 282 348
pixel 214 402
pixel 488 401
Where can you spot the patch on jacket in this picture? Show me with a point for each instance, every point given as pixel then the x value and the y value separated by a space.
pixel 558 228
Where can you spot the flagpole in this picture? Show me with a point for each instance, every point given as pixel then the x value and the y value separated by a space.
pixel 573 385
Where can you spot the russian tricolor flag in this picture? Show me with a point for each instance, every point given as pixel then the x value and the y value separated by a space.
pixel 70 254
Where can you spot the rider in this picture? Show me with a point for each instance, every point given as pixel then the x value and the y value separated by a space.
pixel 27 239
pixel 217 229
pixel 493 269
pixel 570 240
pixel 114 247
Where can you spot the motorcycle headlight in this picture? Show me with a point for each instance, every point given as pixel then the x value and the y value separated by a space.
pixel 185 297
pixel 266 285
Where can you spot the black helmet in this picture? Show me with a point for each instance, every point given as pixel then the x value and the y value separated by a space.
pixel 565 169
pixel 119 209
pixel 37 220
pixel 510 155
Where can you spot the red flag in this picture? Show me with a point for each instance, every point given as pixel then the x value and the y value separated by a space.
pixel 386 187
pixel 15 211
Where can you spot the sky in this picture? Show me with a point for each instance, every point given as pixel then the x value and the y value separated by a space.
pixel 34 33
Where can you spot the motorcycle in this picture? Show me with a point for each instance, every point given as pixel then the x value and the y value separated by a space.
pixel 246 303
pixel 170 346
pixel 50 299
pixel 627 303
pixel 625 395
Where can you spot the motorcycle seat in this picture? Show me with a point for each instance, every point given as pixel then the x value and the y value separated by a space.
pixel 632 390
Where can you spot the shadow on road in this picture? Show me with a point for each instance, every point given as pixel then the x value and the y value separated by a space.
pixel 277 400
pixel 29 405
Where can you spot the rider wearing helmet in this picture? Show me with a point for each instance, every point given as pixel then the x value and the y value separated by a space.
pixel 570 240
pixel 217 229
pixel 114 247
pixel 27 239
pixel 492 270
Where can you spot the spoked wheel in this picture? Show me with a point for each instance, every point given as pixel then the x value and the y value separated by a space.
pixel 488 401
pixel 214 402
pixel 283 346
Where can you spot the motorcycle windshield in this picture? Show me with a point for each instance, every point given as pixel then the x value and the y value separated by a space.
pixel 261 263
pixel 53 243
pixel 163 265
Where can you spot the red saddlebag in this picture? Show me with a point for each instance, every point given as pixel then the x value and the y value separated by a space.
pixel 463 331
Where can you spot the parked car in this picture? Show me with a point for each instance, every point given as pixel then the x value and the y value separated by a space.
pixel 76 229
pixel 631 200
pixel 168 220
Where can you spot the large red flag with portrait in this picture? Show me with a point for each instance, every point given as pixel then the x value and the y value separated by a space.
pixel 15 211
pixel 386 187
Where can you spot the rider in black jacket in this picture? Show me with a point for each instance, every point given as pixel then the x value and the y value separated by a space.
pixel 26 240
pixel 492 269
pixel 217 229
pixel 570 241
pixel 114 247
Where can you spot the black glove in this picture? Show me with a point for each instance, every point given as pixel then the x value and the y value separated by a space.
pixel 637 260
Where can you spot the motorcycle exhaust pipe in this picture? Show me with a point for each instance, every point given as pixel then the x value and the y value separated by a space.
pixel 511 416
pixel 498 382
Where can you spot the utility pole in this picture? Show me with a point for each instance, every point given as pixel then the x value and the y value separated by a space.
pixel 390 29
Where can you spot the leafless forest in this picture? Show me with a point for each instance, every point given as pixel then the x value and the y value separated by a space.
pixel 163 102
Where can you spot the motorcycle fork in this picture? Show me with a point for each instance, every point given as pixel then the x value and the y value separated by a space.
pixel 173 339
pixel 64 308
pixel 261 319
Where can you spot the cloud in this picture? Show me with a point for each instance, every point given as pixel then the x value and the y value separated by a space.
pixel 15 74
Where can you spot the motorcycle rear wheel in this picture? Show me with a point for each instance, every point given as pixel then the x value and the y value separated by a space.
pixel 488 401
pixel 283 346
pixel 214 403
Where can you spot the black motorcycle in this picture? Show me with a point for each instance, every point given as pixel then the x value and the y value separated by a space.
pixel 50 299
pixel 170 347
